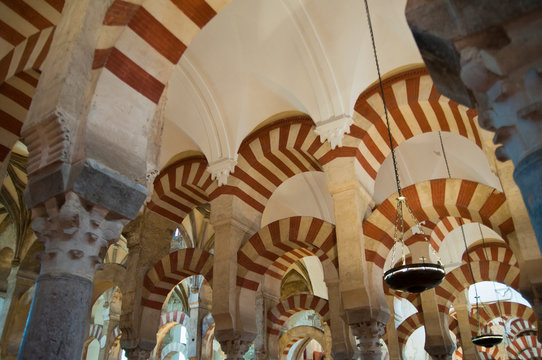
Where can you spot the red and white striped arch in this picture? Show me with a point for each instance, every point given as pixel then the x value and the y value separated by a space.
pixel 508 310
pixel 171 270
pixel 272 155
pixel 521 344
pixel 531 354
pixel 519 326
pixel 415 107
pixel 453 326
pixel 281 243
pixel 435 199
pixel 460 279
pixel 95 332
pixel 443 228
pixel 116 332
pixel 279 314
pixel 489 353
pixel 15 98
pixel 180 187
pixel 176 317
pixel 458 354
pixel 493 251
pixel 407 327
pixel 142 41
pixel 26 33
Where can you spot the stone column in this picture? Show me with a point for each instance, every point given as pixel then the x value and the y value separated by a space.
pixel 462 311
pixel 438 342
pixel 232 229
pixel 138 353
pixel 260 342
pixel 198 311
pixel 369 334
pixel 342 348
pixel 360 282
pixel 76 235
pixel 23 282
pixel 393 341
pixel 235 345
pixel 12 278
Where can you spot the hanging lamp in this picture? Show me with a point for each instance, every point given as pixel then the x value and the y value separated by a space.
pixel 488 340
pixel 485 340
pixel 416 277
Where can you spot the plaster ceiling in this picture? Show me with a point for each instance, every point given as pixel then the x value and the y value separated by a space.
pixel 257 58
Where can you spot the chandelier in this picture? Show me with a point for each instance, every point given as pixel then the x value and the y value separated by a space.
pixel 414 277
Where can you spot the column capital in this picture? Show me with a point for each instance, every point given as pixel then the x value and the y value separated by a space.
pixel 234 343
pixel 369 334
pixel 138 353
pixel 333 129
pixel 75 233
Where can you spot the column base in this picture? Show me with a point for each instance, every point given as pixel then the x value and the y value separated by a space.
pixel 57 323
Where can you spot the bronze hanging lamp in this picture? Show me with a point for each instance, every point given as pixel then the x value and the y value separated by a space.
pixel 416 277
pixel 485 340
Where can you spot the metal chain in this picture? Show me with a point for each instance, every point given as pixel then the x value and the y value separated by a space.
pixel 493 282
pixel 397 182
pixel 444 155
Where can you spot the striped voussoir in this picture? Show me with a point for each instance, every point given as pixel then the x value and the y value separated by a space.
pixel 508 310
pixel 171 270
pixel 493 251
pixel 116 332
pixel 453 325
pixel 436 199
pixel 177 317
pixel 519 326
pixel 95 331
pixel 489 353
pixel 458 353
pixel 415 107
pixel 292 343
pixel 279 314
pixel 281 243
pixel 141 44
pixel 408 326
pixel 26 28
pixel 180 187
pixel 270 156
pixel 443 227
pixel 460 278
pixel 530 354
pixel 15 98
pixel 521 344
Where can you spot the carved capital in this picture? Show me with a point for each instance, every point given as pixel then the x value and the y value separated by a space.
pixel 138 354
pixel 369 334
pixel 333 129
pixel 235 348
pixel 221 169
pixel 75 233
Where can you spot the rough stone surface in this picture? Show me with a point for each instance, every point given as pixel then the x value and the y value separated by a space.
pixel 49 336
pixel 527 175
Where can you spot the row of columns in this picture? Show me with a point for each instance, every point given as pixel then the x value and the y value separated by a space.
pixel 82 199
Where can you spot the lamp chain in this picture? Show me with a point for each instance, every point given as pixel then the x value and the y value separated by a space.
pixel 464 238
pixel 397 182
